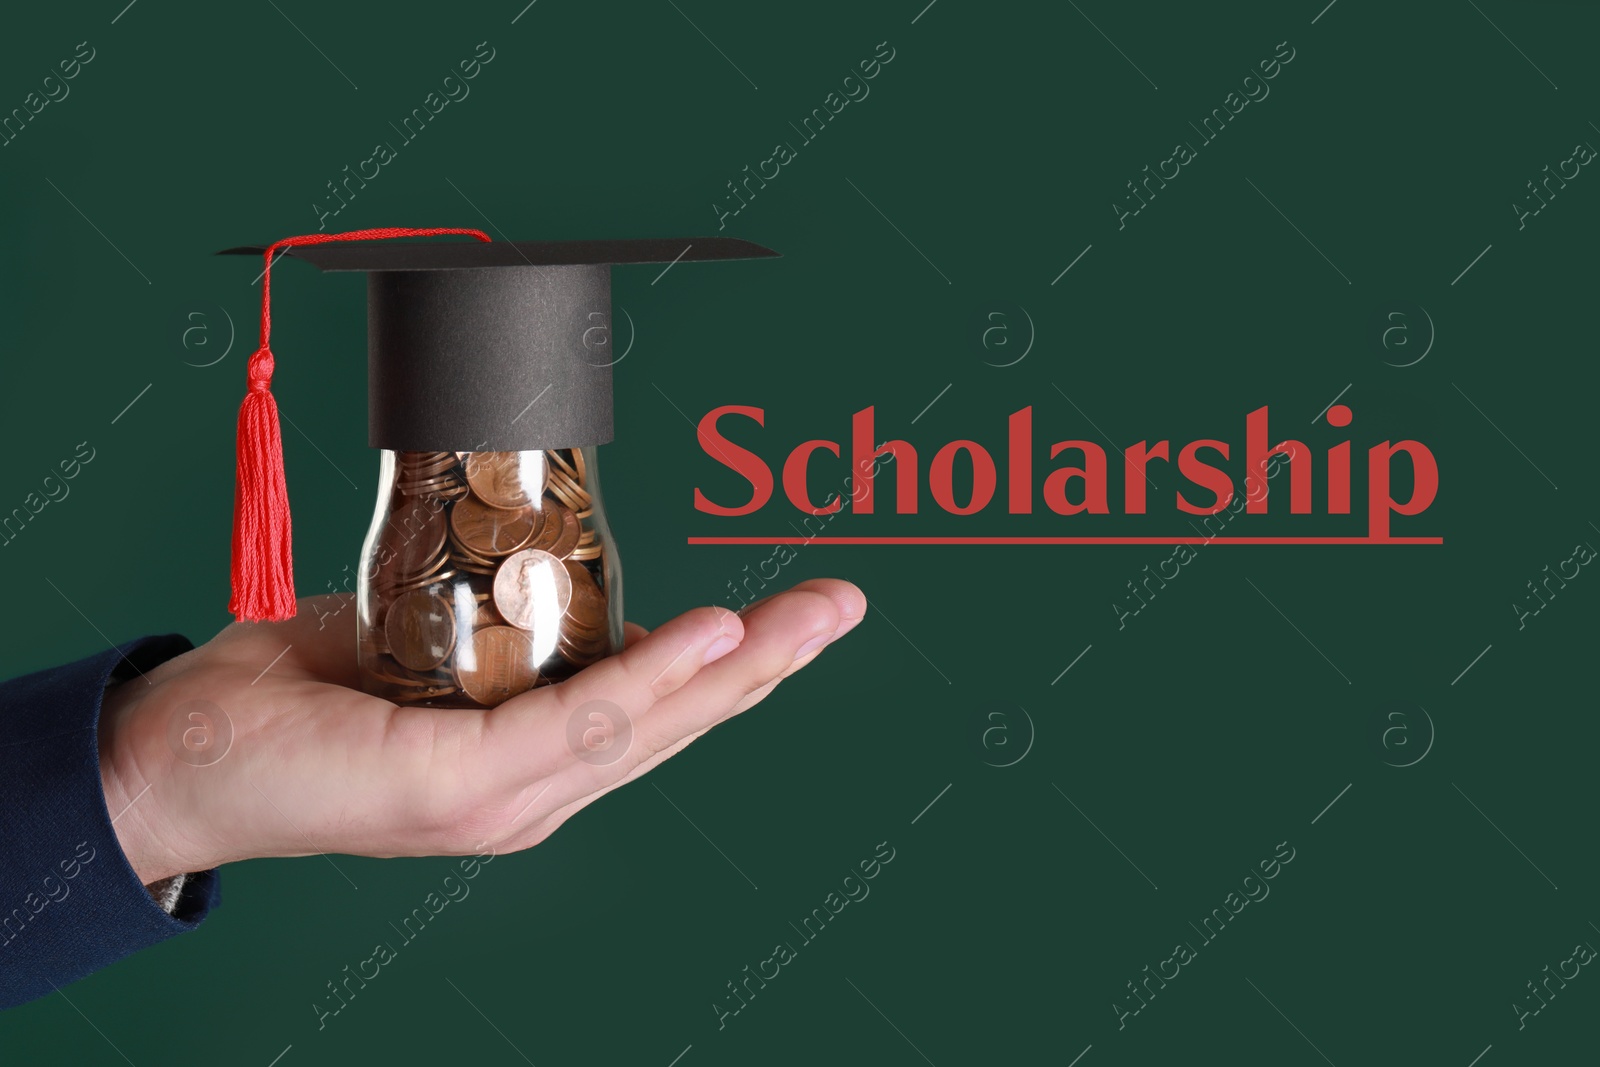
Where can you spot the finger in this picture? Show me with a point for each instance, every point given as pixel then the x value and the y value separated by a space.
pixel 525 737
pixel 787 628
pixel 854 604
pixel 847 598
pixel 538 830
pixel 846 624
pixel 779 624
pixel 632 632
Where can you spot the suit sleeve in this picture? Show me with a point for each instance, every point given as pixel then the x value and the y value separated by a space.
pixel 69 902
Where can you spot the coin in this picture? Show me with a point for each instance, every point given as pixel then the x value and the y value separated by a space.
pixel 388 670
pixel 411 540
pixel 587 609
pixel 506 479
pixel 487 615
pixel 532 590
pixel 425 464
pixel 563 491
pixel 567 539
pixel 492 531
pixel 549 526
pixel 444 485
pixel 462 554
pixel 421 630
pixel 499 665
pixel 559 460
pixel 486 578
pixel 435 582
pixel 583 653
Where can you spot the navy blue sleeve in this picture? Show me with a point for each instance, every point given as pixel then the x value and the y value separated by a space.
pixel 69 902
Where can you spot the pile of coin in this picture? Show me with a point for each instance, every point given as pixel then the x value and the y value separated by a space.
pixel 487 578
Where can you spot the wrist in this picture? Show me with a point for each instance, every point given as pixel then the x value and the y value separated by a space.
pixel 131 799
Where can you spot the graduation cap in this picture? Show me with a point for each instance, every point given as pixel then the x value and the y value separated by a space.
pixel 462 339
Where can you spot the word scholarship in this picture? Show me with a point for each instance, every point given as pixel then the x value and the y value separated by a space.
pixel 966 478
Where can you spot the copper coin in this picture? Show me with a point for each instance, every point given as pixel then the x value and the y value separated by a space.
pixel 372 638
pixel 496 664
pixel 588 605
pixel 411 540
pixel 583 655
pixel 492 531
pixel 387 670
pixel 421 630
pixel 533 590
pixel 573 634
pixel 549 530
pixel 433 583
pixel 567 493
pixel 443 485
pixel 459 551
pixel 567 539
pixel 558 459
pixel 426 464
pixel 506 479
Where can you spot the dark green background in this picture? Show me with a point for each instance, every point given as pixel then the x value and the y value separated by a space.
pixel 1196 739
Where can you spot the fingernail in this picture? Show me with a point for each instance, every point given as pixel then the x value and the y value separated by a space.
pixel 719 648
pixel 813 645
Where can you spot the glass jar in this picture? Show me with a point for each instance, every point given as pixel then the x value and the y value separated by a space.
pixel 484 575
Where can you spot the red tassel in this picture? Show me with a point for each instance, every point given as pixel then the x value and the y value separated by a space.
pixel 263 566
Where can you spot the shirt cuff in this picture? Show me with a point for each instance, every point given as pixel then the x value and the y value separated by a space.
pixel 167 891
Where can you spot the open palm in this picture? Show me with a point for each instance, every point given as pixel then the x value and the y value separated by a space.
pixel 304 762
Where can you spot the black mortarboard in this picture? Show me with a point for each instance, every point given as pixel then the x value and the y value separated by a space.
pixel 471 346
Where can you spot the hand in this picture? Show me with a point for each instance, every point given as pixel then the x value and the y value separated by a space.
pixel 316 765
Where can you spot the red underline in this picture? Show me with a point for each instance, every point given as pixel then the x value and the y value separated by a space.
pixel 1067 540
